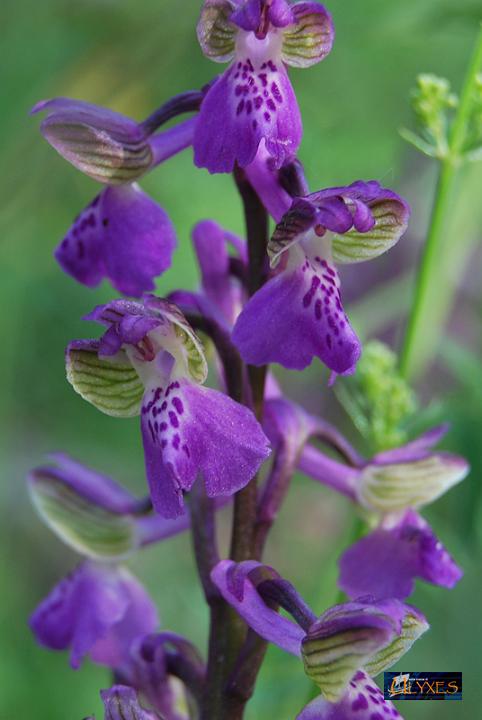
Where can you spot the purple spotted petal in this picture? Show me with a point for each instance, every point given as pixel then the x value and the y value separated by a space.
pixel 121 703
pixel 237 589
pixel 253 100
pixel 123 236
pixel 386 562
pixel 296 316
pixel 97 610
pixel 189 430
pixel 361 701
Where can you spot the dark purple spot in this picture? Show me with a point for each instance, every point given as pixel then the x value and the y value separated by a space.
pixel 176 441
pixel 267 116
pixel 272 66
pixel 186 450
pixel 255 124
pixel 236 76
pixel 174 420
pixel 276 92
pixel 264 79
pixel 163 427
pixel 238 90
pixel 271 105
pixel 329 341
pixel 177 402
pixel 164 404
pixel 376 716
pixel 240 108
pixel 65 242
pixel 258 101
pixel 249 107
pixel 361 703
pixel 318 309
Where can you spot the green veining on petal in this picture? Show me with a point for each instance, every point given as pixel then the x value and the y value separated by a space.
pixel 395 487
pixel 216 35
pixel 112 386
pixel 84 526
pixel 309 40
pixel 354 247
pixel 413 627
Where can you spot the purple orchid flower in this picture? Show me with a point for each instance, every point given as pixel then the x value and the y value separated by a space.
pixel 347 638
pixel 122 235
pixel 298 314
pixel 392 486
pixel 150 362
pixel 98 610
pixel 253 102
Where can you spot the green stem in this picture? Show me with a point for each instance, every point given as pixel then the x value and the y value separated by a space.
pixel 448 169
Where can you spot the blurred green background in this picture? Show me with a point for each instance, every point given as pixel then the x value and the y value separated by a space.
pixel 132 55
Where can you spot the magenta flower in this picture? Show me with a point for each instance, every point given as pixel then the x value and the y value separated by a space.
pixel 298 313
pixel 253 101
pixel 345 639
pixel 149 362
pixel 392 486
pixel 98 610
pixel 122 235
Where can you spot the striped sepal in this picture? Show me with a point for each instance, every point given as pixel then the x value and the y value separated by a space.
pixel 414 625
pixel 86 527
pixel 396 487
pixel 106 154
pixel 298 220
pixel 111 385
pixel 391 220
pixel 311 38
pixel 335 649
pixel 215 33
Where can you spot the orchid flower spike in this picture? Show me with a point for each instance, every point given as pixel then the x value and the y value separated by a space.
pixel 150 362
pixel 253 101
pixel 122 235
pixel 98 610
pixel 365 636
pixel 391 487
pixel 298 313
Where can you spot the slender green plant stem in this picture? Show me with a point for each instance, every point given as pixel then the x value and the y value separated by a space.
pixel 448 169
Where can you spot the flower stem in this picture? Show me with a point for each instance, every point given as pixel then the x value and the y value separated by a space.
pixel 447 174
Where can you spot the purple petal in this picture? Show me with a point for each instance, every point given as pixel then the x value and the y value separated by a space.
pixel 416 449
pixel 386 562
pixel 253 100
pixel 121 703
pixel 265 181
pixel 97 610
pixel 251 607
pixel 249 15
pixel 105 145
pixel 123 236
pixel 328 471
pixel 361 701
pixel 298 315
pixel 190 430
pixel 211 246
